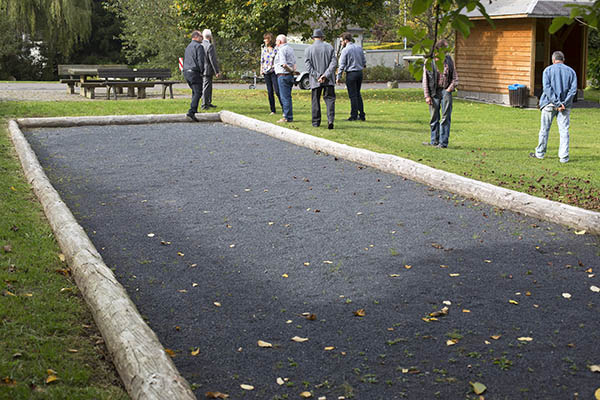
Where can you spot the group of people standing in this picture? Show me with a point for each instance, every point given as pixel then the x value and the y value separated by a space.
pixel 278 66
pixel 199 65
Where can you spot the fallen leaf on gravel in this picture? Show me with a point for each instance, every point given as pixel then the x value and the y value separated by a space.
pixel 566 295
pixel 447 302
pixel 310 317
pixel 451 342
pixel 216 395
pixel 437 245
pixel 264 344
pixel 64 272
pixel 170 352
pixel 327 262
pixel 194 284
pixel 306 264
pixel 580 232
pixel 594 368
pixel 299 339
pixel 441 313
pixel 525 339
pixel 478 387
pixel 285 276
pixel 151 235
pixel 360 313
pixel 165 243
pixel 443 266
pixel 394 275
pixel 195 352
pixel 182 291
pixel 280 381
pixel 246 387
pixel 487 261
pixel 232 246
pixel 595 289
pixel 513 302
pixel 408 266
pixel 589 270
pixel 329 348
pixel 306 395
pixel 597 394
pixel 61 257
pixel 454 275
pixel 180 254
pixel 466 311
pixel 496 337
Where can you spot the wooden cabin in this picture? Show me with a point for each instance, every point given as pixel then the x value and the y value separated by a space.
pixel 517 50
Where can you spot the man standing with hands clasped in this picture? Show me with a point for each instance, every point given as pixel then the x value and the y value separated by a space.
pixel 211 68
pixel 560 87
pixel 285 66
pixel 353 61
pixel 320 63
pixel 193 68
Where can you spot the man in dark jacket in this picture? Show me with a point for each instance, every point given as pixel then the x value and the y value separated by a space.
pixel 211 68
pixel 320 63
pixel 193 68
pixel 438 88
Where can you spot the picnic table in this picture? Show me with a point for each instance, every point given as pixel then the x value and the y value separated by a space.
pixel 73 74
pixel 115 79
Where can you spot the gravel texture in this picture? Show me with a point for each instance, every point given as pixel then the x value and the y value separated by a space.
pixel 224 237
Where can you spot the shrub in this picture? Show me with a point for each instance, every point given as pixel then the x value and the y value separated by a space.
pixel 382 73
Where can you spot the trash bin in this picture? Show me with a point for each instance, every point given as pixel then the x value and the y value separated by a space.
pixel 517 95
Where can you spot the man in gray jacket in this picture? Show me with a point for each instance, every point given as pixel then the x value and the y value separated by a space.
pixel 193 68
pixel 320 63
pixel 211 68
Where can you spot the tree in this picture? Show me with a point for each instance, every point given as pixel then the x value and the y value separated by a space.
pixel 150 32
pixel 60 23
pixel 587 14
pixel 445 14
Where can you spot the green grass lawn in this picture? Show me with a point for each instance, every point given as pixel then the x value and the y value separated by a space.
pixel 42 323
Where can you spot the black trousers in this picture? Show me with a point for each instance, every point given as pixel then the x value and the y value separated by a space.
pixel 194 81
pixel 272 90
pixel 353 83
pixel 329 97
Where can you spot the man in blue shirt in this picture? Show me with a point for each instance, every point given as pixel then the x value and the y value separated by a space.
pixel 353 61
pixel 560 88
pixel 285 66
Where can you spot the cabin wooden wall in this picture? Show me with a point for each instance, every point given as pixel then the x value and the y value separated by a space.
pixel 491 59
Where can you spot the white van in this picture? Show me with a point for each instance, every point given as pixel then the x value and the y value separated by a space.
pixel 302 78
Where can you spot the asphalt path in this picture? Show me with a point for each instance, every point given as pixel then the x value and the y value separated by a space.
pixel 224 237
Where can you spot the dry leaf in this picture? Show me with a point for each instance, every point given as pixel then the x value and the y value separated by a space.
pixel 180 254
pixel 216 395
pixel 62 257
pixel 441 313
pixel 6 381
pixel 7 248
pixel 487 261
pixel 73 350
pixel 151 235
pixel 51 378
pixel 360 313
pixel 447 302
pixel 246 387
pixel 525 339
pixel 182 291
pixel 454 275
pixel 165 243
pixel 285 276
pixel 566 295
pixel 329 348
pixel 306 264
pixel 580 232
pixel 394 275
pixel 478 387
pixel 594 368
pixel 306 395
pixel 513 302
pixel 194 284
pixel 408 266
pixel 264 344
pixel 595 289
pixel 299 339
pixel 311 317
pixel 327 262
pixel 451 342
pixel 217 304
pixel 466 311
pixel 496 337
pixel 170 352
pixel 443 266
pixel 195 352
pixel 280 381
pixel 597 394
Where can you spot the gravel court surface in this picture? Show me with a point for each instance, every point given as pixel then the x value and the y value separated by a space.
pixel 268 231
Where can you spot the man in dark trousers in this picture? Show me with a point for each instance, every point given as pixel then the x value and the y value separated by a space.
pixel 320 63
pixel 437 88
pixel 353 61
pixel 211 68
pixel 193 68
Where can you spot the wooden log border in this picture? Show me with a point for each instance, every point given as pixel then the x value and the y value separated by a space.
pixel 548 210
pixel 145 369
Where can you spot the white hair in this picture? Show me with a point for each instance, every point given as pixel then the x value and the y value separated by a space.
pixel 207 34
pixel 282 38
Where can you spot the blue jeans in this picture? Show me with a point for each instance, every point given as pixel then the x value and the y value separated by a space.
pixel 563 119
pixel 440 121
pixel 272 90
pixel 286 82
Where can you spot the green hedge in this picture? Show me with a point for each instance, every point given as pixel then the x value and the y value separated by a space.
pixel 385 74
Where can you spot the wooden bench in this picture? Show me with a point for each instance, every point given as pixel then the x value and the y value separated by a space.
pixel 72 81
pixel 114 80
pixel 89 87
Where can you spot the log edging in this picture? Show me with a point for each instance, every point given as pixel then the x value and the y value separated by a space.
pixel 548 210
pixel 146 370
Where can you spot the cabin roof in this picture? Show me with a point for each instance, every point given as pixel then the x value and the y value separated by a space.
pixel 526 8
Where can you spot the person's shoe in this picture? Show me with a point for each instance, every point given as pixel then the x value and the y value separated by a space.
pixel 272 113
pixel 532 155
pixel 283 120
pixel 442 146
pixel 192 116
pixel 204 108
pixel 362 118
pixel 330 125
pixel 352 119
pixel 564 161
pixel 429 144
pixel 212 106
pixel 316 125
